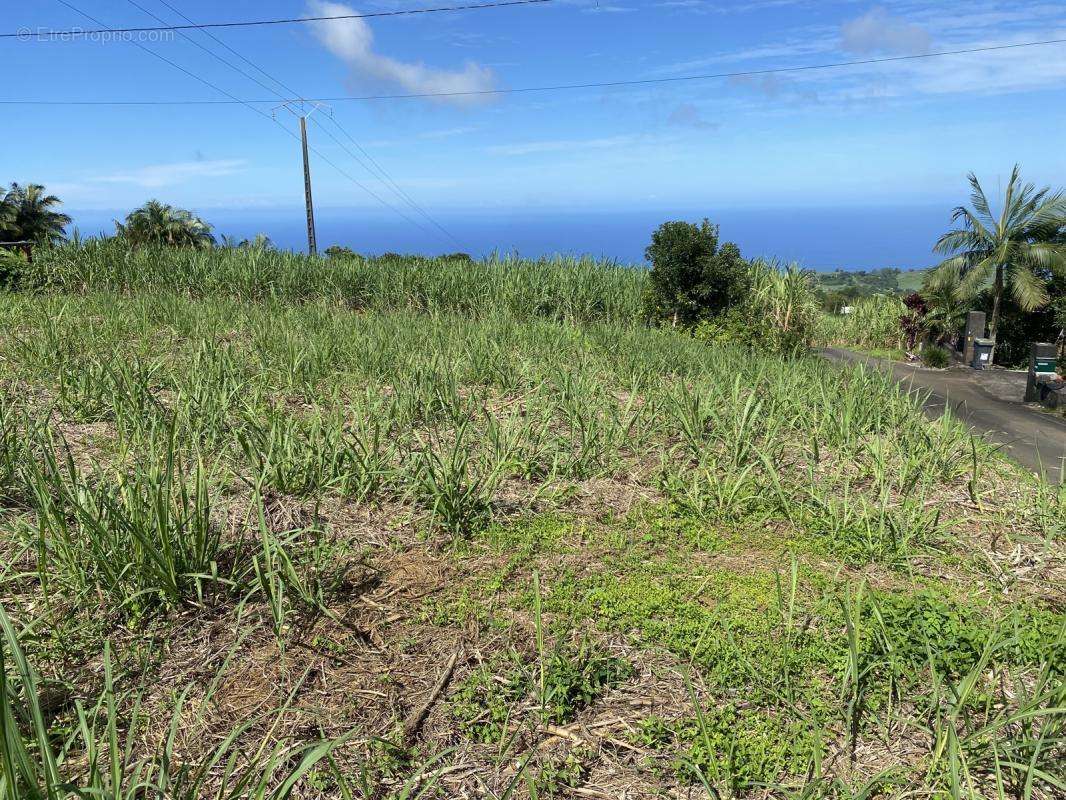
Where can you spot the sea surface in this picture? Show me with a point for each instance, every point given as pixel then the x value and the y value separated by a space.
pixel 850 238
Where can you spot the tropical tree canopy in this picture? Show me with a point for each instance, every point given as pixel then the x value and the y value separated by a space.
pixel 28 213
pixel 161 224
pixel 261 242
pixel 1015 252
pixel 946 307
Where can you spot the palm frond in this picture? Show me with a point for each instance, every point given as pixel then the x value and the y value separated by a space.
pixel 1046 256
pixel 979 200
pixel 1029 291
pixel 946 273
pixel 977 277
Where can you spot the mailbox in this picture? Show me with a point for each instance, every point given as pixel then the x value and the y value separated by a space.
pixel 982 353
pixel 1043 369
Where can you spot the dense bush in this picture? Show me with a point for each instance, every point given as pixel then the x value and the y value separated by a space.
pixel 692 278
pixel 339 251
pixel 13 264
pixel 936 357
pixel 912 321
pixel 780 312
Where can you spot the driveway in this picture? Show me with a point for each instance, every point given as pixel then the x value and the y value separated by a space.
pixel 990 402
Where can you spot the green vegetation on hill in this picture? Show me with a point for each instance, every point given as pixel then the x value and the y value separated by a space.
pixel 278 526
pixel 847 285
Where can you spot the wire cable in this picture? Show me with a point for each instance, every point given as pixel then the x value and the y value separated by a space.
pixel 261 113
pixel 396 187
pixel 386 180
pixel 380 175
pixel 556 87
pixel 28 35
pixel 291 92
pixel 209 51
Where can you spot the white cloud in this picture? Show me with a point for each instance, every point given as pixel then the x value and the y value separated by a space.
pixel 813 42
pixel 561 145
pixel 352 41
pixel 877 31
pixel 1006 71
pixel 161 175
pixel 447 133
pixel 688 116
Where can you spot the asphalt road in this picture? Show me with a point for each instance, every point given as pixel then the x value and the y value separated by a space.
pixel 990 402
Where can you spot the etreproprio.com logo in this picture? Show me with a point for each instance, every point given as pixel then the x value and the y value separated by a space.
pixel 97 37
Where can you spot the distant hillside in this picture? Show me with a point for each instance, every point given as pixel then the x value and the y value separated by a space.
pixel 860 283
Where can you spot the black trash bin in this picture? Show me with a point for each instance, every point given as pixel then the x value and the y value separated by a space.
pixel 982 353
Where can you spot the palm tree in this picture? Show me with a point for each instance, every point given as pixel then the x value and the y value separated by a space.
pixel 1012 252
pixel 161 224
pixel 29 214
pixel 946 308
pixel 7 219
pixel 260 243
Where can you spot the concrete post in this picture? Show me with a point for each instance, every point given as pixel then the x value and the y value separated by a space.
pixel 975 329
pixel 1042 362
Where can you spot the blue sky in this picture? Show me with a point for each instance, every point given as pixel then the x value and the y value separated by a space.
pixel 889 134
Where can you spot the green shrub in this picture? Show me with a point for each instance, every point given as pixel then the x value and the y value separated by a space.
pixel 338 251
pixel 779 313
pixel 692 278
pixel 936 357
pixel 13 265
pixel 731 327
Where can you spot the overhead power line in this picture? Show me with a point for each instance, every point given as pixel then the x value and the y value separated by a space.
pixel 369 164
pixel 255 110
pixel 28 34
pixel 557 87
pixel 208 50
pixel 291 92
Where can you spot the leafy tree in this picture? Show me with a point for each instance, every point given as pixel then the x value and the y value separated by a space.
pixel 339 251
pixel 160 224
pixel 28 213
pixel 692 278
pixel 1012 253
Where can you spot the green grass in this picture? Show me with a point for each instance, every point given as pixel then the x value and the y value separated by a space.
pixel 560 288
pixel 274 497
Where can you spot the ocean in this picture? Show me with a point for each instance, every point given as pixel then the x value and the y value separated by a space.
pixel 850 238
